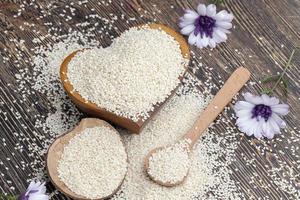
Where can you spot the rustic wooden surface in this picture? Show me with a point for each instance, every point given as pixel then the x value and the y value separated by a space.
pixel 265 33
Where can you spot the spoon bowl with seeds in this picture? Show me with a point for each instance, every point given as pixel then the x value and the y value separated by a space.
pixel 93 109
pixel 169 165
pixel 84 156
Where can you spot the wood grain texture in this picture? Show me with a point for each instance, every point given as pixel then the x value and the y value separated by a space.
pixel 265 33
pixel 224 96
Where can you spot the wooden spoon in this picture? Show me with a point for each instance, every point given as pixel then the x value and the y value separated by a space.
pixel 55 152
pixel 235 82
pixel 93 110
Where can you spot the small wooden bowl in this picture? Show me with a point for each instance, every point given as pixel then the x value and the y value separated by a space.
pixel 55 152
pixel 93 110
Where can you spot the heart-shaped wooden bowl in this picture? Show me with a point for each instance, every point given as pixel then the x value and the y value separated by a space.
pixel 93 110
pixel 56 149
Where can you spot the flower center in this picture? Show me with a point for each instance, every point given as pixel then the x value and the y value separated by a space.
pixel 23 196
pixel 204 25
pixel 262 110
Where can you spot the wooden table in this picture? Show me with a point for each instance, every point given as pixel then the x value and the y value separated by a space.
pixel 264 35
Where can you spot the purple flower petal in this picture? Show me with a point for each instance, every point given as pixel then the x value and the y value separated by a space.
pixel 190 15
pixel 268 130
pixel 253 125
pixel 244 124
pixel 265 98
pixel 278 120
pixel 223 30
pixel 274 125
pixel 257 128
pixel 192 39
pixel 244 113
pixel 217 38
pixel 205 40
pixel 185 23
pixel 243 105
pixel 201 9
pixel 221 34
pixel 223 24
pixel 187 30
pixel 211 10
pixel 202 41
pixel 281 109
pixel 223 15
pixel 199 42
pixel 212 43
pixel 252 98
pixel 272 101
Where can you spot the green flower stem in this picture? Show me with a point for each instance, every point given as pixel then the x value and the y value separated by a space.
pixel 217 2
pixel 279 79
pixel 7 197
pixel 284 71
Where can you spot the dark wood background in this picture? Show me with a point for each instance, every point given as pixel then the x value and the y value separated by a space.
pixel 265 33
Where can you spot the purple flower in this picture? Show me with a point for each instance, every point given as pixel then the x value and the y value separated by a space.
pixel 35 191
pixel 260 115
pixel 206 27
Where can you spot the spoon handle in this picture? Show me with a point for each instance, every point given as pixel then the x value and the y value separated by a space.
pixel 231 87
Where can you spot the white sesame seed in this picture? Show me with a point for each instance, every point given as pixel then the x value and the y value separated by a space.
pixel 93 163
pixel 170 164
pixel 137 71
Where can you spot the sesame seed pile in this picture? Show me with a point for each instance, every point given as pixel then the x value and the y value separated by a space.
pixel 138 70
pixel 176 117
pixel 93 163
pixel 206 174
pixel 170 164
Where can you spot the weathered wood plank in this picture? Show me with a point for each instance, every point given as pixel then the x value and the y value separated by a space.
pixel 264 35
